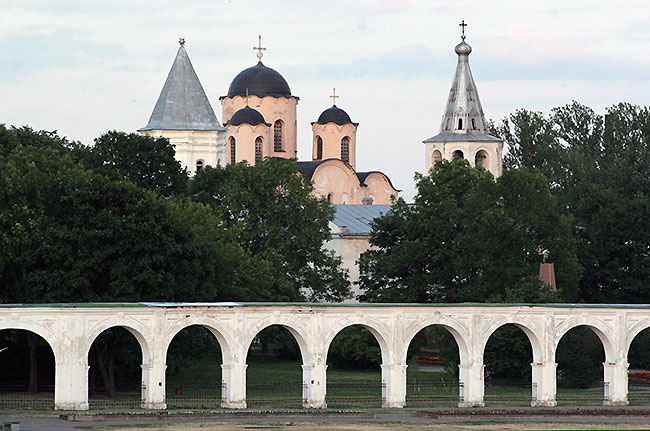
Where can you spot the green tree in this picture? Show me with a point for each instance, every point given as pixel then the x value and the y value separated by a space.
pixel 469 238
pixel 143 160
pixel 276 219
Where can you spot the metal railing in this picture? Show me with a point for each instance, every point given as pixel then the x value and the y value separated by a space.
pixel 193 395
pixel 355 394
pixel 15 395
pixel 433 393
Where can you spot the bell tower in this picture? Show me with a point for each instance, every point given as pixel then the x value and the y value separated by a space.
pixel 463 131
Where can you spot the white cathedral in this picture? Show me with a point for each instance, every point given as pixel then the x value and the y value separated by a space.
pixel 259 114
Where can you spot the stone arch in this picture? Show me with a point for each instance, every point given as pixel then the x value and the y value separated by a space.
pixel 291 325
pixel 599 327
pixel 457 155
pixel 482 158
pixel 379 331
pixel 532 332
pixel 131 325
pixel 35 328
pixel 215 329
pixel 454 327
pixel 436 156
pixel 633 332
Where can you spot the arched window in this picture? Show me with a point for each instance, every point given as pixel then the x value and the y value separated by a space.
pixel 330 197
pixel 199 165
pixel 481 159
pixel 319 148
pixel 277 136
pixel 436 156
pixel 457 155
pixel 344 198
pixel 345 149
pixel 474 123
pixel 258 149
pixel 233 150
pixel 460 124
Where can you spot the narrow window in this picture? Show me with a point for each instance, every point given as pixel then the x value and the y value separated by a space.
pixel 199 165
pixel 258 149
pixel 460 124
pixel 319 148
pixel 233 150
pixel 474 123
pixel 277 136
pixel 345 149
pixel 470 95
pixel 457 155
pixel 481 159
pixel 453 96
pixel 447 125
pixel 437 156
pixel 330 197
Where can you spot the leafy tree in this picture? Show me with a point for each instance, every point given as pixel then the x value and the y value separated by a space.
pixel 146 161
pixel 469 238
pixel 276 219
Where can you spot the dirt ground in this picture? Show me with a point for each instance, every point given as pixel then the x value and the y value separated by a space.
pixel 290 426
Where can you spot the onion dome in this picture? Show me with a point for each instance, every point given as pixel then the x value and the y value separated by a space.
pixel 260 81
pixel 463 48
pixel 334 115
pixel 247 115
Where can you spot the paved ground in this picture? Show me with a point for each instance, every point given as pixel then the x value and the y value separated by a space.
pixel 400 421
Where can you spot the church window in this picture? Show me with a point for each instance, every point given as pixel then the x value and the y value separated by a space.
pixel 447 125
pixel 199 165
pixel 453 96
pixel 277 136
pixel 457 155
pixel 319 148
pixel 233 150
pixel 330 197
pixel 481 159
pixel 345 149
pixel 474 123
pixel 469 93
pixel 437 156
pixel 258 149
pixel 460 124
pixel 344 198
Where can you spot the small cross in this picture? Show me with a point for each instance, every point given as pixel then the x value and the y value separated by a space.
pixel 259 49
pixel 334 96
pixel 463 25
pixel 246 96
pixel 181 41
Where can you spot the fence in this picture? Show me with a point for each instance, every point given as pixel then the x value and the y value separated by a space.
pixel 355 394
pixel 423 393
pixel 183 394
pixel 274 394
pixel 15 395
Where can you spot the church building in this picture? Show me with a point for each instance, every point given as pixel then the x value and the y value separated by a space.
pixel 260 120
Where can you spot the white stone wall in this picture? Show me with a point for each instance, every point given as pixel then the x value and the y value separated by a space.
pixel 194 145
pixel 70 331
pixel 494 150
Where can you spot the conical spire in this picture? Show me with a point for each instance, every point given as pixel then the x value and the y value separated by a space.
pixel 182 104
pixel 463 118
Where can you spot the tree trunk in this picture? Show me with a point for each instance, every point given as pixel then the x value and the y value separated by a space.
pixel 32 386
pixel 109 384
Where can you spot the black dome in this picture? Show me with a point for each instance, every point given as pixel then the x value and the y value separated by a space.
pixel 335 115
pixel 261 81
pixel 247 115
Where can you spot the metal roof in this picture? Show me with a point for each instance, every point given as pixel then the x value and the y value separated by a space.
pixel 357 218
pixel 182 104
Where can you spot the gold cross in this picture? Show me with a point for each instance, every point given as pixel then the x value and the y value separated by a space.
pixel 334 96
pixel 259 49
pixel 463 25
pixel 182 41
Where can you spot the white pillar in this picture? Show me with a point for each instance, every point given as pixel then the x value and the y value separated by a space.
pixel 544 384
pixel 615 378
pixel 233 388
pixel 71 385
pixel 470 380
pixel 153 385
pixel 393 378
pixel 314 386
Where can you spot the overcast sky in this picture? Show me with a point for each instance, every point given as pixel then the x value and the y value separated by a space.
pixel 83 67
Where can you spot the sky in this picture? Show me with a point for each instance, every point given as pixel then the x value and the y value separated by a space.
pixel 84 67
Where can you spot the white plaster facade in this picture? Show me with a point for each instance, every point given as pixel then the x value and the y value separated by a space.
pixel 493 154
pixel 192 146
pixel 70 331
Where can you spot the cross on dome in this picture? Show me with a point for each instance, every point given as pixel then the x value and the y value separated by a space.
pixel 334 96
pixel 462 26
pixel 182 41
pixel 246 96
pixel 259 49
